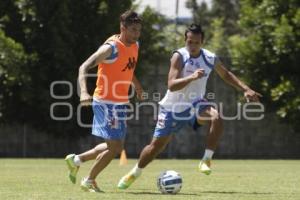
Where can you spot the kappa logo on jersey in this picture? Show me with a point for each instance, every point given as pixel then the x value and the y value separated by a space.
pixel 130 65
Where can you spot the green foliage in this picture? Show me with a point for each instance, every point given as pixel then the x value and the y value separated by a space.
pixel 201 13
pixel 267 50
pixel 218 22
pixel 228 11
pixel 13 76
pixel 61 34
pixel 152 39
pixel 12 58
pixel 263 45
pixel 174 37
pixel 43 41
pixel 218 41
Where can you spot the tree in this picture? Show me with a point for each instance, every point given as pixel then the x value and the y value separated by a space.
pixel 219 23
pixel 153 46
pixel 201 13
pixel 228 11
pixel 218 41
pixel 61 34
pixel 44 41
pixel 13 78
pixel 267 51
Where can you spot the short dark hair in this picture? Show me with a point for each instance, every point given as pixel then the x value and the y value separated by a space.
pixel 130 17
pixel 196 29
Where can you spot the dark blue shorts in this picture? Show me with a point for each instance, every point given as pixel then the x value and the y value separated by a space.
pixel 170 122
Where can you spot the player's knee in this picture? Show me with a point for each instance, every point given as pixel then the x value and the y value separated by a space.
pixel 157 147
pixel 154 148
pixel 118 150
pixel 215 116
pixel 216 121
pixel 114 152
pixel 115 149
pixel 100 148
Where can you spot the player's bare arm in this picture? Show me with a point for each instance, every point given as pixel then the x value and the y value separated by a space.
pixel 175 83
pixel 232 80
pixel 138 88
pixel 96 58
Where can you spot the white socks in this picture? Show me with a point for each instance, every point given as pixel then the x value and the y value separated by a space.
pixel 208 154
pixel 136 171
pixel 77 160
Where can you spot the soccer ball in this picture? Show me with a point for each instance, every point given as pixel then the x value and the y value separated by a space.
pixel 169 182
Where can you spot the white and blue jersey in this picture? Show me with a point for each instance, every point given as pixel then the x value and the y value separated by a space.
pixel 180 100
pixel 188 101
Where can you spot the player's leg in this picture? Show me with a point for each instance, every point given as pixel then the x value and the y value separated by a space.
pixel 108 123
pixel 74 161
pixel 211 117
pixel 114 147
pixel 149 152
pixel 162 136
pixel 92 153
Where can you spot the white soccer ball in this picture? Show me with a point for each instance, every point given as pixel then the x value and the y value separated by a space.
pixel 169 182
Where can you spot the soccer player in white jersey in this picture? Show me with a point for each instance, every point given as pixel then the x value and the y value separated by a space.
pixel 189 70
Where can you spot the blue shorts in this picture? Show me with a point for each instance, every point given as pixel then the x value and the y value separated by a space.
pixel 171 122
pixel 109 120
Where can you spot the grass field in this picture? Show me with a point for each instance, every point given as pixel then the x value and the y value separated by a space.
pixel 40 179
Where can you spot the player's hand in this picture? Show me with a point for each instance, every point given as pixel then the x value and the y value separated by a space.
pixel 198 74
pixel 140 94
pixel 85 99
pixel 252 96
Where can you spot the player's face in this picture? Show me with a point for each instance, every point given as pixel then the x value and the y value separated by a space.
pixel 132 33
pixel 193 43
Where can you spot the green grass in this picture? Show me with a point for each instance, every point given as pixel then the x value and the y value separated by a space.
pixel 40 179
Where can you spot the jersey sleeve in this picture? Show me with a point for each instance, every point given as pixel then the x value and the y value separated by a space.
pixel 184 55
pixel 114 53
pixel 209 58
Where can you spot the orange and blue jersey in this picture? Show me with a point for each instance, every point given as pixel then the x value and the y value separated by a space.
pixel 115 75
pixel 116 72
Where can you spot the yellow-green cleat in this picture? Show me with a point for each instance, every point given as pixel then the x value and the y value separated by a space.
pixel 73 169
pixel 89 185
pixel 126 181
pixel 204 167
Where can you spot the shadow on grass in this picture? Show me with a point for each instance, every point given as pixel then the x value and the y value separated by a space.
pixel 155 193
pixel 234 192
pixel 201 193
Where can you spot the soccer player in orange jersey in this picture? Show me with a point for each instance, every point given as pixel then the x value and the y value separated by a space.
pixel 116 60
